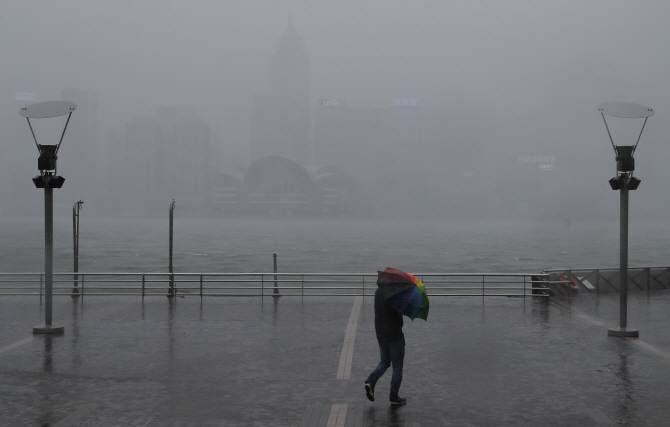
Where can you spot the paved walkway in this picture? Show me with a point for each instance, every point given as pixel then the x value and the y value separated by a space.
pixel 247 362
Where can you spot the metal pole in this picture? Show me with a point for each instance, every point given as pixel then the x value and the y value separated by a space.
pixel 623 257
pixel 49 252
pixel 363 286
pixel 276 291
pixel 171 291
pixel 622 331
pixel 75 237
pixel 48 327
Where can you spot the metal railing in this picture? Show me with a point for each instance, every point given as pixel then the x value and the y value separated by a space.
pixel 270 284
pixel 604 280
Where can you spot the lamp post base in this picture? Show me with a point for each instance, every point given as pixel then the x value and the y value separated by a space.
pixel 48 329
pixel 623 332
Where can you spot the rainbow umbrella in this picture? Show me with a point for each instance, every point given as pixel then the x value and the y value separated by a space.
pixel 406 294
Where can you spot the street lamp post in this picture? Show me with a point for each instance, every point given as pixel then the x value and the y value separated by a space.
pixel 48 179
pixel 623 182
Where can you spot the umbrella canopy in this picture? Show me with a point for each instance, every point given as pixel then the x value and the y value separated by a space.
pixel 406 294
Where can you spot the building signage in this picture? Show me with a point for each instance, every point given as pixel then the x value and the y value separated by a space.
pixel 537 159
pixel 405 103
pixel 546 163
pixel 25 96
pixel 330 102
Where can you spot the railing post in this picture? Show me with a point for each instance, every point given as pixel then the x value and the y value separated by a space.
pixel 83 280
pixel 483 287
pixel 276 291
pixel 597 281
pixel 524 288
pixel 363 285
pixel 143 277
pixel 262 286
pixel 41 278
pixel 648 278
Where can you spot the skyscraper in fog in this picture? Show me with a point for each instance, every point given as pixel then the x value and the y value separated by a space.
pixel 78 156
pixel 168 156
pixel 280 122
pixel 378 142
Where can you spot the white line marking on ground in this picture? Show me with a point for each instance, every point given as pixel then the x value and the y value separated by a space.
pixel 16 344
pixel 338 415
pixel 650 347
pixel 344 370
pixel 591 319
pixel 599 416
pixel 596 321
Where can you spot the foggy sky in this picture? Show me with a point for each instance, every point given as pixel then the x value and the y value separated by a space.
pixel 517 77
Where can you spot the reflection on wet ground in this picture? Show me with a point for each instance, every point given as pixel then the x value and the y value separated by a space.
pixel 247 361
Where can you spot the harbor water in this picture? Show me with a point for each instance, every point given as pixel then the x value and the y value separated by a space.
pixel 328 246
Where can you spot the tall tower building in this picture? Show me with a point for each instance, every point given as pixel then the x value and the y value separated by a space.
pixel 280 122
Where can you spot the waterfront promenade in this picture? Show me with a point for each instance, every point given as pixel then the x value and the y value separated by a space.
pixel 251 362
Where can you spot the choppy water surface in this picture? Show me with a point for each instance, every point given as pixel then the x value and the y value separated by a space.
pixel 234 245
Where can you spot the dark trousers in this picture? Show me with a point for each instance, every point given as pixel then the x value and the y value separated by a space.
pixel 392 353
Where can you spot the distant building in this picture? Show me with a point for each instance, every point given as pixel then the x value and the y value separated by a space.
pixel 278 186
pixel 169 156
pixel 78 156
pixel 378 146
pixel 142 157
pixel 18 163
pixel 280 122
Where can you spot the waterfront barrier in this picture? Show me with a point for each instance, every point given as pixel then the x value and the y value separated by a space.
pixel 269 284
pixel 603 280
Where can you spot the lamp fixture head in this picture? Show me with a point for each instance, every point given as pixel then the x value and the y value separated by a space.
pixel 626 110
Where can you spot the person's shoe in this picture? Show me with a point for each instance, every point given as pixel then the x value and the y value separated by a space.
pixel 370 392
pixel 399 401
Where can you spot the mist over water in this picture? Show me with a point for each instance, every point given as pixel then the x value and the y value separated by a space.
pixel 329 246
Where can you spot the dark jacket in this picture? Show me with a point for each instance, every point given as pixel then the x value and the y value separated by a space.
pixel 388 323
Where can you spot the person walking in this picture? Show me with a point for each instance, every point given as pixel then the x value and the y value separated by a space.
pixel 391 340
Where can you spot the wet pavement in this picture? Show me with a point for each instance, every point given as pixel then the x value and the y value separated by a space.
pixel 251 362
